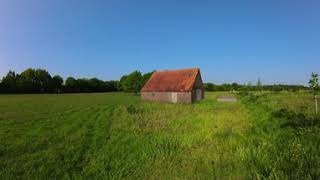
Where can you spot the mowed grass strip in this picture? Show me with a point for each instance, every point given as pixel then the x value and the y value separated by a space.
pixel 53 142
pixel 97 135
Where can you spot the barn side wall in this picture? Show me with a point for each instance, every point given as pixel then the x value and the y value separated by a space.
pixel 182 97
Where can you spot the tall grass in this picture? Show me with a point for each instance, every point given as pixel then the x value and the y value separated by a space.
pixel 284 139
pixel 115 135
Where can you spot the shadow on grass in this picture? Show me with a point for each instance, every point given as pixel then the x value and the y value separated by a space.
pixel 296 120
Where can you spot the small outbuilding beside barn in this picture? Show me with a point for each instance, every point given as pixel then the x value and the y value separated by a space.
pixel 175 86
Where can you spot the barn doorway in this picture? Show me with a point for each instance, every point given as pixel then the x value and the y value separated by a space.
pixel 198 94
pixel 174 97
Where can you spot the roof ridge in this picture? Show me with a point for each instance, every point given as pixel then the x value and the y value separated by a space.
pixel 195 68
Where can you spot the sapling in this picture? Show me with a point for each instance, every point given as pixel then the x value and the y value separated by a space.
pixel 314 85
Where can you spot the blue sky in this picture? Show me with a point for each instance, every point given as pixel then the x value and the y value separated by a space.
pixel 231 41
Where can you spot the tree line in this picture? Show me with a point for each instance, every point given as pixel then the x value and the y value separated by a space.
pixel 257 87
pixel 40 81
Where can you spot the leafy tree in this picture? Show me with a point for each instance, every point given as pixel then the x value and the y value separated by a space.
pixel 314 85
pixel 115 85
pixel 132 82
pixel 235 86
pixel 56 83
pixel 42 78
pixel 123 82
pixel 83 85
pixel 28 78
pixel 146 77
pixel 135 81
pixel 210 87
pixel 9 82
pixel 29 75
pixel 94 85
pixel 112 85
pixel 71 84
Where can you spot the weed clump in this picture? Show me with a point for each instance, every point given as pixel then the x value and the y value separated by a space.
pixel 295 119
pixel 133 110
pixel 137 114
pixel 288 114
pixel 249 97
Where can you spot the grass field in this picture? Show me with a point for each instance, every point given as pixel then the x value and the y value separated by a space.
pixel 114 135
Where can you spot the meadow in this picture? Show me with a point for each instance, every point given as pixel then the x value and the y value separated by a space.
pixel 115 136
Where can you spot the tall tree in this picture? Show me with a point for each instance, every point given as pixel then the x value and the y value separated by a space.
pixel 146 77
pixel 314 85
pixel 71 84
pixel 235 86
pixel 83 85
pixel 132 82
pixel 123 83
pixel 93 84
pixel 28 78
pixel 9 82
pixel 112 85
pixel 29 74
pixel 56 83
pixel 42 78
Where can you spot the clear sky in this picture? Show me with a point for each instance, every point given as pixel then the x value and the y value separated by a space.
pixel 231 41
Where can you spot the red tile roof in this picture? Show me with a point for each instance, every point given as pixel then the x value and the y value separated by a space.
pixel 172 81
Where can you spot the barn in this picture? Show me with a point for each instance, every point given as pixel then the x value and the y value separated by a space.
pixel 175 86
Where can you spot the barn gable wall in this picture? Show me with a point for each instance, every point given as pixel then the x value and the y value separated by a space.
pixel 197 85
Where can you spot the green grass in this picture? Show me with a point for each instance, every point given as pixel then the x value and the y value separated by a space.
pixel 115 135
